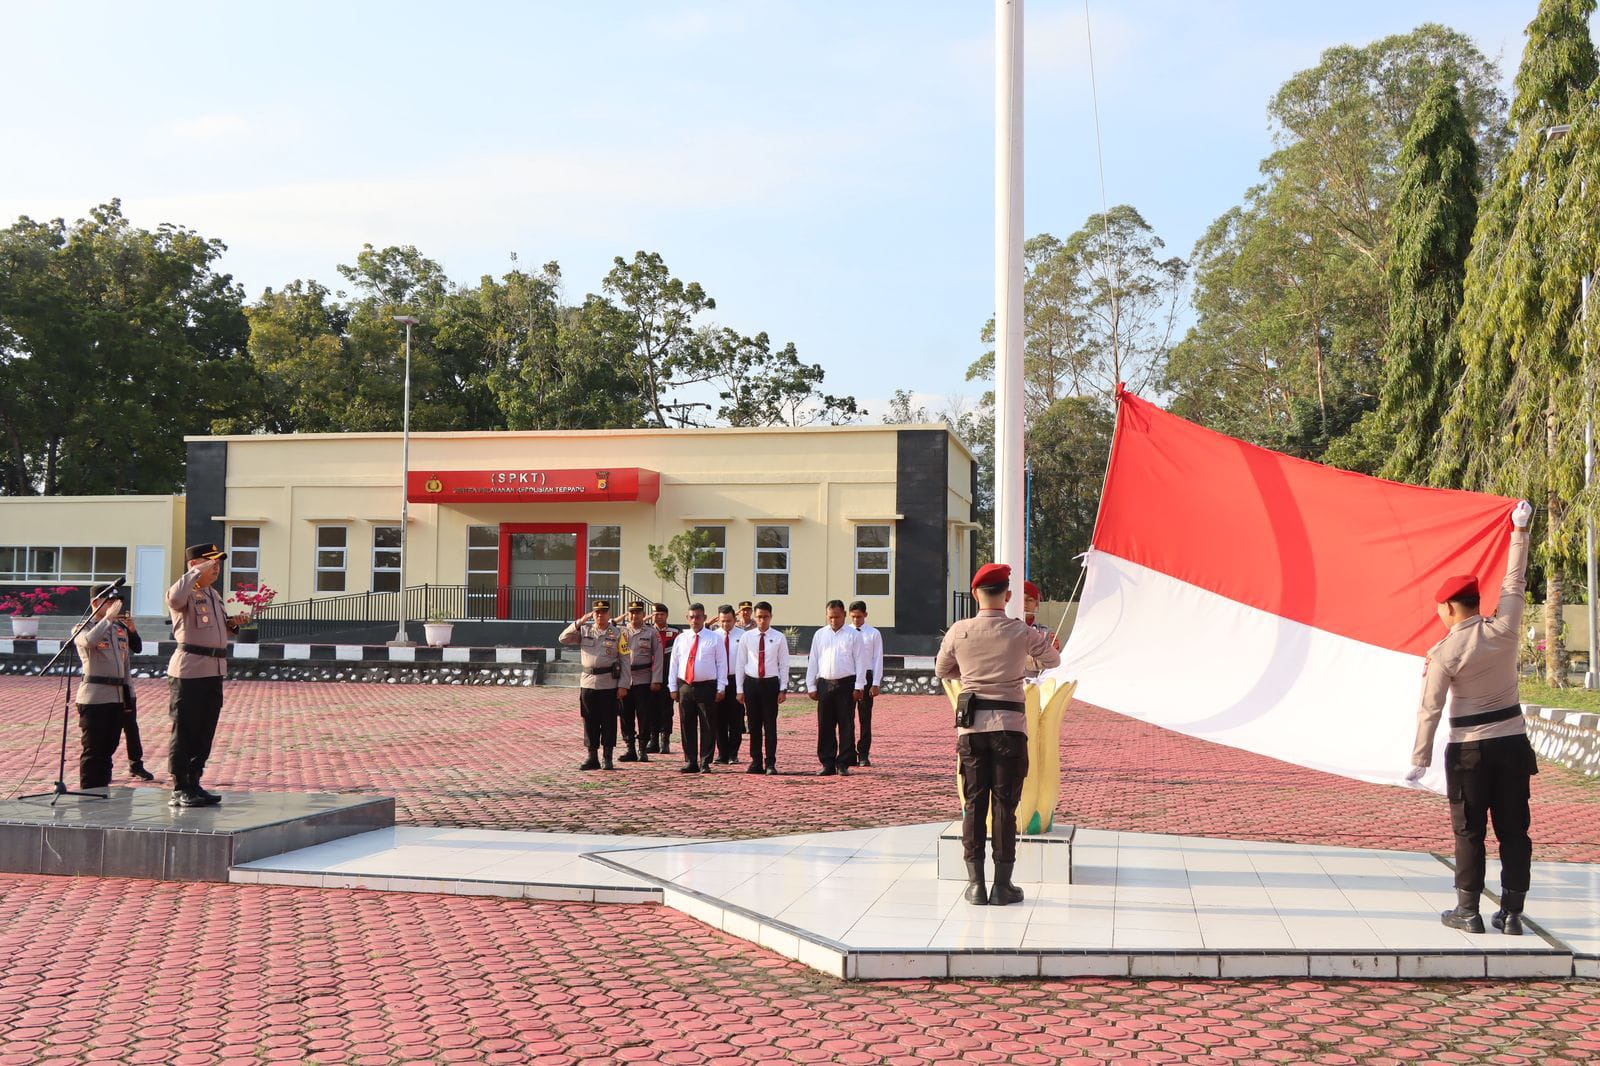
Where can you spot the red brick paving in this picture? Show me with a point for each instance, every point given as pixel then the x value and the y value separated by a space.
pixel 131 971
pixel 138 971
pixel 506 758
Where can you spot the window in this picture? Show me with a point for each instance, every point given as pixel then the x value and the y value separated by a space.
pixel 605 559
pixel 244 556
pixel 872 560
pixel 386 559
pixel 483 571
pixel 330 558
pixel 75 564
pixel 772 560
pixel 710 578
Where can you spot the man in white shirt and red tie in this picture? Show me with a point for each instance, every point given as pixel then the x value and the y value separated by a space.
pixel 762 675
pixel 698 680
pixel 836 673
pixel 728 715
pixel 872 650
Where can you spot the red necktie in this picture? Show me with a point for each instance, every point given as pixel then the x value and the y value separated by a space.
pixel 688 674
pixel 761 661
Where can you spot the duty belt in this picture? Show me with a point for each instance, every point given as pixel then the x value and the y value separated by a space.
pixel 95 680
pixel 980 703
pixel 201 649
pixel 1504 714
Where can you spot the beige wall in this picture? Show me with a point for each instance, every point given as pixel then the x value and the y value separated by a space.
pixel 129 522
pixel 819 482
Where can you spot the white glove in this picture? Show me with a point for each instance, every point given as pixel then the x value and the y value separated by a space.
pixel 1416 775
pixel 1522 514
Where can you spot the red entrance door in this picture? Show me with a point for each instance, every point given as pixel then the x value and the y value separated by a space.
pixel 543 554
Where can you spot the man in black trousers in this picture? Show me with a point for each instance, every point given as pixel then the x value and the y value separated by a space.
pixel 836 674
pixel 761 673
pixel 194 676
pixel 698 680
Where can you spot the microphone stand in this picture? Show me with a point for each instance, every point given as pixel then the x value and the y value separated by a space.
pixel 60 788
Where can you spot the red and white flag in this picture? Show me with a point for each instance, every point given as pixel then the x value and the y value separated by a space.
pixel 1269 603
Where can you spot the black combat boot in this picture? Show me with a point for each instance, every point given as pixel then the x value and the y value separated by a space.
pixel 136 769
pixel 632 754
pixel 211 798
pixel 1465 916
pixel 651 744
pixel 1508 919
pixel 642 756
pixel 1004 892
pixel 606 765
pixel 593 761
pixel 666 743
pixel 975 894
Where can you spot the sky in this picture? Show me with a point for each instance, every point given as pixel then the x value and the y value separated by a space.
pixel 823 169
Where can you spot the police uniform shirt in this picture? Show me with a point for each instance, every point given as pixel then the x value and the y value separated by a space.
pixel 1034 669
pixel 1475 665
pixel 748 662
pixel 598 651
pixel 836 656
pixel 872 650
pixel 989 653
pixel 103 648
pixel 710 661
pixel 646 661
pixel 197 619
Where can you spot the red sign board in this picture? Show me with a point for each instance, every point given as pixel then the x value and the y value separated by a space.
pixel 510 485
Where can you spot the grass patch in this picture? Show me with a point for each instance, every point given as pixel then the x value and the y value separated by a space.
pixel 1578 699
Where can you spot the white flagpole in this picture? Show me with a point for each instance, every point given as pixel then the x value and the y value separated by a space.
pixel 1008 487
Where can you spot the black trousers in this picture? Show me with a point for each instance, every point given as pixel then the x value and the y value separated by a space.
pixel 864 713
pixel 836 722
pixel 639 711
pixel 99 729
pixel 697 707
pixel 730 724
pixel 761 712
pixel 129 727
pixel 993 767
pixel 195 705
pixel 1488 780
pixel 599 709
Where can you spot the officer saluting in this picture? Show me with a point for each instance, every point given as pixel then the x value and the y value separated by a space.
pixel 194 676
pixel 602 650
pixel 990 653
pixel 646 669
pixel 1488 761
pixel 105 698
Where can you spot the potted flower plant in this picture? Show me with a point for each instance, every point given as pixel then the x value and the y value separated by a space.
pixel 26 606
pixel 252 598
pixel 438 628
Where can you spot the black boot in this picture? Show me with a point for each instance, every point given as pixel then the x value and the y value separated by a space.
pixel 606 765
pixel 211 798
pixel 652 744
pixel 666 743
pixel 1465 916
pixel 642 756
pixel 1508 919
pixel 1004 892
pixel 136 769
pixel 975 894
pixel 593 761
pixel 632 754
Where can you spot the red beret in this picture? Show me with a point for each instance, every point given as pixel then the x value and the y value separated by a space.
pixel 1463 584
pixel 1030 589
pixel 992 574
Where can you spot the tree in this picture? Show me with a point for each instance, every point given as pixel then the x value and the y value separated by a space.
pixel 1435 209
pixel 685 553
pixel 1067 448
pixel 904 411
pixel 659 318
pixel 1512 425
pixel 115 342
pixel 762 387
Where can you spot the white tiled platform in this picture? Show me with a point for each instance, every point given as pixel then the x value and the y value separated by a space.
pixel 867 904
pixel 1564 901
pixel 479 862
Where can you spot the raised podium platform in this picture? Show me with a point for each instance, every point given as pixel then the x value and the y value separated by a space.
pixel 1042 858
pixel 135 834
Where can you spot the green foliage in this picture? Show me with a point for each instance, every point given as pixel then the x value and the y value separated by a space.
pixel 114 342
pixel 1067 447
pixel 676 561
pixel 1559 61
pixel 762 387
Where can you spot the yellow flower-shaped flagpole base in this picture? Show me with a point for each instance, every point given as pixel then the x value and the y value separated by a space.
pixel 1046 702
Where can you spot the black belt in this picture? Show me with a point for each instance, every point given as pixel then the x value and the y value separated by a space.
pixel 980 703
pixel 95 680
pixel 838 680
pixel 1504 714
pixel 201 649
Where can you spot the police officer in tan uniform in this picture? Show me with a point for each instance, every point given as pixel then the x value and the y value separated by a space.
pixel 646 673
pixel 989 653
pixel 661 702
pixel 602 650
pixel 195 673
pixel 1488 761
pixel 1030 615
pixel 105 647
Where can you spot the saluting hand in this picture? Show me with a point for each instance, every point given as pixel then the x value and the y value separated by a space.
pixel 1521 514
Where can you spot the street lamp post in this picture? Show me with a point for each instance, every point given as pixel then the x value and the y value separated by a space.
pixel 400 638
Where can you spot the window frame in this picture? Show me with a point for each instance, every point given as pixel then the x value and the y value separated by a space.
pixel 591 571
pixel 887 571
pixel 398 569
pixel 22 556
pixel 783 575
pixel 720 571
pixel 343 569
pixel 234 548
pixel 483 602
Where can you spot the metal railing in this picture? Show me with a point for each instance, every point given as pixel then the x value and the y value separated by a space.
pixel 304 619
pixel 962 605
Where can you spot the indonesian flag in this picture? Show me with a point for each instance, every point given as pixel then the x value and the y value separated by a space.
pixel 1268 603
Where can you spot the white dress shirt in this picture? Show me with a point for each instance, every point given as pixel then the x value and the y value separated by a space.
pixel 730 646
pixel 748 661
pixel 836 656
pixel 710 664
pixel 872 651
